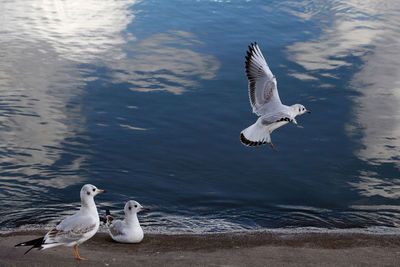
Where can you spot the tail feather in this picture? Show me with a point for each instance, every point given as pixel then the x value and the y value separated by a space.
pixel 26 252
pixel 31 242
pixel 35 243
pixel 109 218
pixel 104 219
pixel 255 135
pixel 247 142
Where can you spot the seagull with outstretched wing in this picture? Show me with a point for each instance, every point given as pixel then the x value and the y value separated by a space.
pixel 265 101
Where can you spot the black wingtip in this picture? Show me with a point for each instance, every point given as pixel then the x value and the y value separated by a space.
pixel 35 243
pixel 251 50
pixel 108 212
pixel 26 252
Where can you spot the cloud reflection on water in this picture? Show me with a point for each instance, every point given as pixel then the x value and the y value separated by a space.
pixel 42 43
pixel 370 186
pixel 49 52
pixel 367 30
pixel 347 33
pixel 80 31
pixel 165 62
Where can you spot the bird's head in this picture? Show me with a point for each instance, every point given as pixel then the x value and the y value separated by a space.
pixel 132 207
pixel 299 109
pixel 89 191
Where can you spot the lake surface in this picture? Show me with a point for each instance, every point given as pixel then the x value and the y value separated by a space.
pixel 146 99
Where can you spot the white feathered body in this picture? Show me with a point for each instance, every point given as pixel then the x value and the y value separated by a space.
pixel 265 101
pixel 73 230
pixel 126 231
pixel 260 131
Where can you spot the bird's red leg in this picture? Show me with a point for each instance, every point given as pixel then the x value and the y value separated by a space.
pixel 77 254
pixel 272 146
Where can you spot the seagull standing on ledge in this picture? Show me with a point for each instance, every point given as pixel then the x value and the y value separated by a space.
pixel 73 230
pixel 264 100
pixel 129 229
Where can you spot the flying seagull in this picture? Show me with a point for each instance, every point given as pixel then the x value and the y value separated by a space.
pixel 73 230
pixel 265 101
pixel 129 229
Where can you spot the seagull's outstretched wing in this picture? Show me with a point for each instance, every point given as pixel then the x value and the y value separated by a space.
pixel 259 133
pixel 263 92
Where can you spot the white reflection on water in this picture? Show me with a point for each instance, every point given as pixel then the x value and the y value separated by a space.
pixel 367 30
pixel 43 47
pixel 42 43
pixel 80 31
pixel 370 186
pixel 349 30
pixel 165 62
pixel 33 118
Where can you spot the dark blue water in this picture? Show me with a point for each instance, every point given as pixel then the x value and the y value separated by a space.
pixel 146 99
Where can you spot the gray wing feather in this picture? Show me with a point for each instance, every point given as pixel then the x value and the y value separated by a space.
pixel 70 229
pixel 263 92
pixel 274 118
pixel 116 228
pixel 67 236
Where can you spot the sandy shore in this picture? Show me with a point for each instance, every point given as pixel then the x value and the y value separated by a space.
pixel 237 249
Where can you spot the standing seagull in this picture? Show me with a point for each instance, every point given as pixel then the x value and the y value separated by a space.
pixel 129 229
pixel 264 100
pixel 73 230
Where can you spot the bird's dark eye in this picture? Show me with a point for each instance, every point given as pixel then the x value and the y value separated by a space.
pixel 130 208
pixel 299 110
pixel 135 206
pixel 94 189
pixel 88 193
